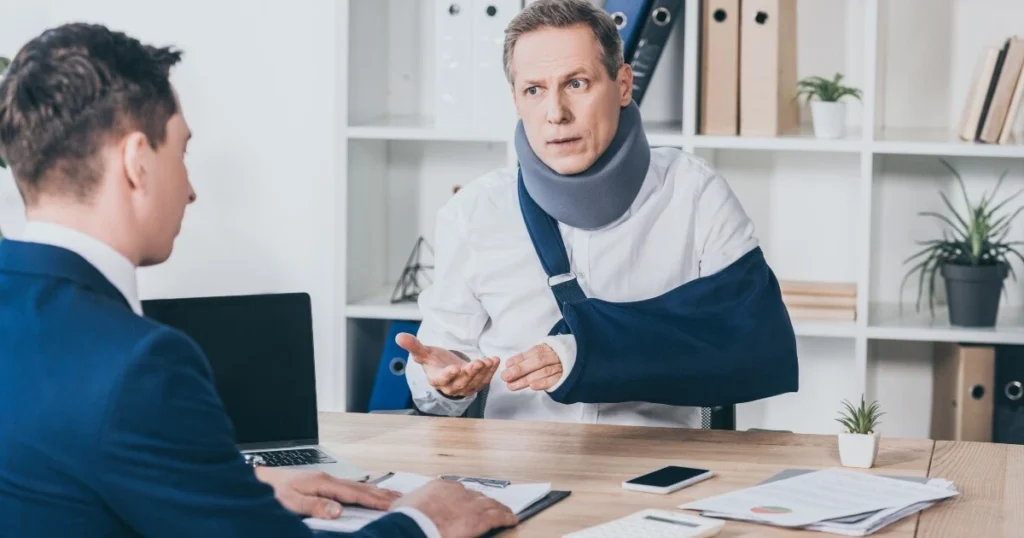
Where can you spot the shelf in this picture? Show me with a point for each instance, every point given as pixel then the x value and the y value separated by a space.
pixel 802 140
pixel 886 323
pixel 825 329
pixel 379 306
pixel 939 142
pixel 421 128
pixel 890 141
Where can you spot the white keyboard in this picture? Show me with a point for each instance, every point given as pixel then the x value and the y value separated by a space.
pixel 653 523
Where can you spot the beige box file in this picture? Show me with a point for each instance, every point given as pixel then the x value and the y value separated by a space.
pixel 768 67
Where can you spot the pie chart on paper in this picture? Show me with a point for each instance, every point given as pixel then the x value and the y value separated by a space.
pixel 770 510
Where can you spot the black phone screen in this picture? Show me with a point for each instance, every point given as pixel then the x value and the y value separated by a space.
pixel 666 476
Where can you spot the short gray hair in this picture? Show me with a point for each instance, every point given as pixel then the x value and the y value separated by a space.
pixel 562 14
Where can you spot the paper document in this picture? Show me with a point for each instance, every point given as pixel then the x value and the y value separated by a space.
pixel 518 497
pixel 819 496
pixel 861 524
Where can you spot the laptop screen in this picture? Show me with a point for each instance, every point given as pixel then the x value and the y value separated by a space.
pixel 260 348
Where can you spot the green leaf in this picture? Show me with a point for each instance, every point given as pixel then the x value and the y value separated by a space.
pixel 861 419
pixel 964 233
pixel 999 206
pixel 959 180
pixel 987 200
pixel 827 90
pixel 959 219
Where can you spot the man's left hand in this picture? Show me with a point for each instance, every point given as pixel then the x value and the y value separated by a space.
pixel 320 495
pixel 537 368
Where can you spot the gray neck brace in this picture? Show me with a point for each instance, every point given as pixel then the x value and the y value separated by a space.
pixel 600 194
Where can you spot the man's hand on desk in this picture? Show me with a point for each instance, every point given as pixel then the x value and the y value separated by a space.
pixel 537 368
pixel 447 372
pixel 457 511
pixel 320 495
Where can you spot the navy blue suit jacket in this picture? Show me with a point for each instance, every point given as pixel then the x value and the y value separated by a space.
pixel 109 422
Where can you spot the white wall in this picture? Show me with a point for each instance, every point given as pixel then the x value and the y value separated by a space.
pixel 257 85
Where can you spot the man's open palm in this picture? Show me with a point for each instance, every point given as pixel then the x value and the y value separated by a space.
pixel 446 371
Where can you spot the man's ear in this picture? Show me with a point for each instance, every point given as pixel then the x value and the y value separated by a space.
pixel 625 82
pixel 135 152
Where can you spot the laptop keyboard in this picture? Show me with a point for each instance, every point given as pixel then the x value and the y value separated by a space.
pixel 298 456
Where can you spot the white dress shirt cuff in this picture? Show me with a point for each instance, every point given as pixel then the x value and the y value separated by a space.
pixel 564 346
pixel 452 407
pixel 426 525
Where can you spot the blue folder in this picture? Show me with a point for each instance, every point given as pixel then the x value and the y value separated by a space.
pixel 390 389
pixel 629 17
pixel 663 17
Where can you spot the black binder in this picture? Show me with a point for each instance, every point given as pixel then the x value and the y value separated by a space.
pixel 664 15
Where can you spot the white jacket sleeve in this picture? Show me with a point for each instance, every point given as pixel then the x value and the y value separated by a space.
pixel 453 317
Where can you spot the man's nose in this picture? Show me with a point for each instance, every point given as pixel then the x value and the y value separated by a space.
pixel 557 112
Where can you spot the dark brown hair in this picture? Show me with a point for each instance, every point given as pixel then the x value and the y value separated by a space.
pixel 73 89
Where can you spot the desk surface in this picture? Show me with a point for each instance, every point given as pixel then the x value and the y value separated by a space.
pixel 593 460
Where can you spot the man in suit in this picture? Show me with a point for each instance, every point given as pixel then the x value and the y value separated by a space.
pixel 111 423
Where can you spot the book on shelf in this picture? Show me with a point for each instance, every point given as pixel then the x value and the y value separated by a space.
pixel 818 288
pixel 993 100
pixel 821 313
pixel 819 300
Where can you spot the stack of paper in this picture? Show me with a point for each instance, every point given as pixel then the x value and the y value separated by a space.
pixel 836 501
pixel 517 497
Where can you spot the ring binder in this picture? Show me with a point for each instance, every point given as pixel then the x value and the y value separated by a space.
pixel 629 17
pixel 663 16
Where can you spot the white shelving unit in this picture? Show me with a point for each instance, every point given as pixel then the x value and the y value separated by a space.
pixel 830 210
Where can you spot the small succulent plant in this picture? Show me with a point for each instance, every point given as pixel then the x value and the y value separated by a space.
pixel 862 419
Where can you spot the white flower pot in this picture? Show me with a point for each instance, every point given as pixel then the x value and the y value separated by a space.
pixel 829 119
pixel 858 450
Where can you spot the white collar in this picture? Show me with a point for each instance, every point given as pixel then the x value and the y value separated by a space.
pixel 110 263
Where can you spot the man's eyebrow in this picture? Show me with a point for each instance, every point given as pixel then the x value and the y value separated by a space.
pixel 570 74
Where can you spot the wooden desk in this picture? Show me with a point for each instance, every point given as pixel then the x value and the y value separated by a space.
pixel 592 462
pixel 989 477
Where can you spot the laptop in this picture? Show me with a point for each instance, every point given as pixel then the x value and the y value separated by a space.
pixel 260 349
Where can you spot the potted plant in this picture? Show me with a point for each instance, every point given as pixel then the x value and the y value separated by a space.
pixel 973 257
pixel 828 112
pixel 858 445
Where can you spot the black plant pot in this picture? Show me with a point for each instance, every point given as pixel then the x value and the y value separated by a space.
pixel 973 293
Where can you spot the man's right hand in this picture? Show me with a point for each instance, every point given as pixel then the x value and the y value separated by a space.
pixel 446 371
pixel 456 511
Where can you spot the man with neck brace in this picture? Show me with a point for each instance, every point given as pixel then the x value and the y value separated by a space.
pixel 601 281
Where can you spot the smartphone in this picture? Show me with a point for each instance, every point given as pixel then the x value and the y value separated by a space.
pixel 667 479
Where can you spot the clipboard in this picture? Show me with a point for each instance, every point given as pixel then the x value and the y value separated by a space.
pixel 549 500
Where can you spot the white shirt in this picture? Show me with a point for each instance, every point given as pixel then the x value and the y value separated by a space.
pixel 116 268
pixel 490 295
pixel 120 271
